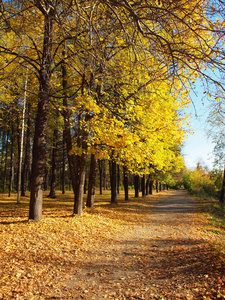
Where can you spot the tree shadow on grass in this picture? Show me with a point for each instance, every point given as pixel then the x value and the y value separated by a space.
pixel 14 222
pixel 62 207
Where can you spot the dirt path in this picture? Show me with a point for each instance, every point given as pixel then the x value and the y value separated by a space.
pixel 168 256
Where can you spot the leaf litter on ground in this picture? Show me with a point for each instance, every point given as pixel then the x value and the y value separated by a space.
pixel 139 249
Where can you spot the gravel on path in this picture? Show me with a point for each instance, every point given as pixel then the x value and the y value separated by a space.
pixel 168 256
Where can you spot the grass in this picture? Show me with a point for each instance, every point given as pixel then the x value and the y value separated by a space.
pixel 215 214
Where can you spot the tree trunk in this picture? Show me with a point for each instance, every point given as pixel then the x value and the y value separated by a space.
pixel 147 187
pixel 22 140
pixel 91 182
pixel 2 155
pixel 54 168
pixel 79 190
pixel 67 130
pixel 136 185
pixel 125 183
pixel 85 184
pixel 151 187
pixel 100 163
pixel 113 182
pixel 118 179
pixel 38 162
pixel 63 181
pixel 18 148
pixel 105 181
pixel 39 144
pixel 26 164
pixel 143 185
pixel 46 179
pixel 223 187
pixel 157 186
pixel 80 159
pixel 6 162
pixel 12 166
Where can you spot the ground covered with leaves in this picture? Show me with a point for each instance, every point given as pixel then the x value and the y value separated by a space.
pixel 155 247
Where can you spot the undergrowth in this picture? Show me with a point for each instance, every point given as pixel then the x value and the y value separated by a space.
pixel 215 214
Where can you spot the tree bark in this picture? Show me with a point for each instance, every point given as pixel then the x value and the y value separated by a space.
pixel 118 179
pixel 151 187
pixel 113 183
pixel 2 155
pixel 67 130
pixel 26 164
pixel 85 184
pixel 39 144
pixel 79 190
pixel 91 182
pixel 160 187
pixel 80 159
pixel 22 140
pixel 77 165
pixel 223 188
pixel 157 186
pixel 100 163
pixel 12 165
pixel 136 185
pixel 105 181
pixel 147 187
pixel 125 182
pixel 18 147
pixel 54 167
pixel 63 181
pixel 46 178
pixel 143 185
pixel 6 162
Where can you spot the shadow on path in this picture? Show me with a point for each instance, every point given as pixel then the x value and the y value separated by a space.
pixel 165 258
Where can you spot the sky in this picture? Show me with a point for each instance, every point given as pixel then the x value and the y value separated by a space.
pixel 197 147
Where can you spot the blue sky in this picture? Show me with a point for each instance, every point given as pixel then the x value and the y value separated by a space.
pixel 197 147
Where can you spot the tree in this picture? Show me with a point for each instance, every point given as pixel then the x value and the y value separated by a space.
pixel 53 165
pixel 22 139
pixel 223 188
pixel 115 53
pixel 91 182
pixel 25 180
pixel 113 181
pixel 136 185
pixel 198 181
pixel 125 182
pixel 217 134
pixel 28 16
pixel 12 167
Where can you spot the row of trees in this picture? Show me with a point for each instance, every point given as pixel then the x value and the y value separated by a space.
pixel 57 176
pixel 105 80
